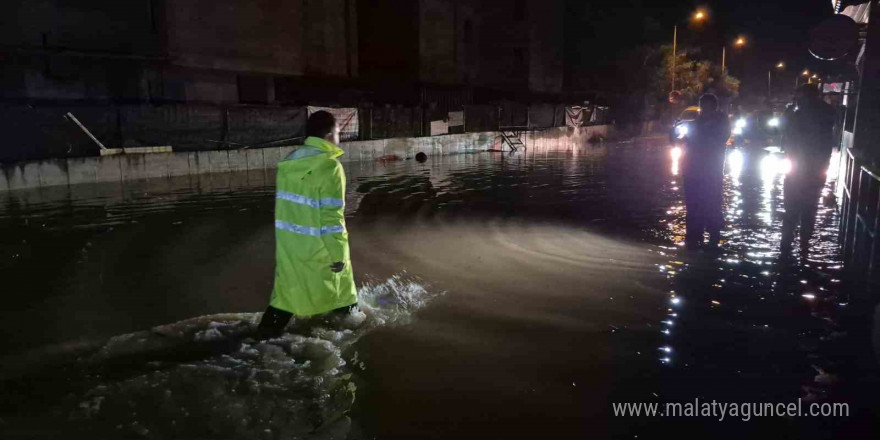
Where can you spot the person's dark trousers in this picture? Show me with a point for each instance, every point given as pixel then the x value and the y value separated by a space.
pixel 275 320
pixel 703 211
pixel 801 194
pixel 714 210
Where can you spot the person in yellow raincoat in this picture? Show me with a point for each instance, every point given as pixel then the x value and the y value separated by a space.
pixel 313 273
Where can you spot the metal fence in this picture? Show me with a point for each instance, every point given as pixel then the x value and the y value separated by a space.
pixel 860 223
pixel 40 131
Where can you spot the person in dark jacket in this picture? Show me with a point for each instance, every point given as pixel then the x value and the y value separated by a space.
pixel 808 144
pixel 703 173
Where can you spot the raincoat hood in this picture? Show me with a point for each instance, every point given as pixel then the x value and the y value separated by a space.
pixel 324 145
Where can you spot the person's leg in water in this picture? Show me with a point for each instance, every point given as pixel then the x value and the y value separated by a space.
pixel 714 214
pixel 812 193
pixel 273 322
pixel 694 214
pixel 344 311
pixel 791 191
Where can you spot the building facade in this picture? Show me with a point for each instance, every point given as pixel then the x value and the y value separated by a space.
pixel 260 51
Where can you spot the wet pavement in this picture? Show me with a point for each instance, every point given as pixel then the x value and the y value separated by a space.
pixel 513 296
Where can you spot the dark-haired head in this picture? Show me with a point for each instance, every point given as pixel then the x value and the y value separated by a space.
pixel 708 102
pixel 322 124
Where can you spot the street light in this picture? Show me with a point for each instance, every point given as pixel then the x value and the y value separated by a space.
pixel 797 78
pixel 740 42
pixel 779 66
pixel 698 16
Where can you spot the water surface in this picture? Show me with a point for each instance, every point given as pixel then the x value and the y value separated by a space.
pixel 519 296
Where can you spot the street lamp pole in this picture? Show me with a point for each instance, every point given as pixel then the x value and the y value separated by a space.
pixel 723 57
pixel 674 49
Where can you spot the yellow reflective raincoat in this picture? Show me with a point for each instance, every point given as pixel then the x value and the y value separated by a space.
pixel 310 232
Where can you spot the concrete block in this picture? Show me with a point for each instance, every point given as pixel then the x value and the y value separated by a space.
pixel 238 180
pixel 181 183
pixel 22 175
pixel 178 164
pixel 363 150
pixel 219 161
pixel 238 160
pixel 54 193
pixel 82 170
pixel 217 181
pixel 109 169
pixel 271 157
pixel 133 167
pixel 255 159
pixel 398 147
pixel 378 148
pixel 106 193
pixel 257 177
pixel 53 172
pixel 156 165
pixel 202 162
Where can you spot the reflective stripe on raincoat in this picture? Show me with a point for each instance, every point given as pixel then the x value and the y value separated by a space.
pixel 310 232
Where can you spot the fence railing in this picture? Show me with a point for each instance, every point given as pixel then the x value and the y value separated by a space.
pixel 860 223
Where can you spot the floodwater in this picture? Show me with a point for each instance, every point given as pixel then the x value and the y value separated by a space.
pixel 502 296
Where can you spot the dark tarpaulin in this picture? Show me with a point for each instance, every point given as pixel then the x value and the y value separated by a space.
pixel 513 114
pixel 256 125
pixel 480 118
pixel 392 122
pixel 559 116
pixel 541 116
pixel 184 127
pixel 31 132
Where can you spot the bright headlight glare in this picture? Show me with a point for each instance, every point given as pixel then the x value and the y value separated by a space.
pixel 681 131
pixel 773 122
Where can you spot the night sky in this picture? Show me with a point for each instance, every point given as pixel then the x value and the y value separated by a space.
pixel 775 30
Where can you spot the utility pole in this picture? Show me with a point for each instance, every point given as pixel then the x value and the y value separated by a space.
pixel 723 57
pixel 674 49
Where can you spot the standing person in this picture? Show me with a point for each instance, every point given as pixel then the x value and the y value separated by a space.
pixel 313 272
pixel 703 173
pixel 808 143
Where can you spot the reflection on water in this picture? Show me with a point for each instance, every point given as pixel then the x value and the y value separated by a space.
pixel 567 288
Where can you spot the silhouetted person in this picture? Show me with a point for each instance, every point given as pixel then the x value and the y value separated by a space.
pixel 808 144
pixel 703 173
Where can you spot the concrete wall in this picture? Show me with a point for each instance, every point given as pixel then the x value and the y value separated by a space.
pixel 128 168
pixel 294 37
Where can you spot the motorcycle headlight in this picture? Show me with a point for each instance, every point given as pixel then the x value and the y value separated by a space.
pixel 773 122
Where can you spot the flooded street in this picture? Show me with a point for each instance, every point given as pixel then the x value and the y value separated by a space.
pixel 503 296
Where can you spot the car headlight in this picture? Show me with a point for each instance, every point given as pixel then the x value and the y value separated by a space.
pixel 773 122
pixel 740 123
pixel 681 131
pixel 737 130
